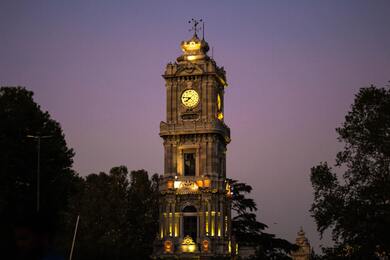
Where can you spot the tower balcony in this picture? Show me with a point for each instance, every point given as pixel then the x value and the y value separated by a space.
pixel 193 184
pixel 195 127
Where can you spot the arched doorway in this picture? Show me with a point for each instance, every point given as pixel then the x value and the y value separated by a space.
pixel 190 222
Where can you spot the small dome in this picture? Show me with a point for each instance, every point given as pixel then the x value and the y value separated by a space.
pixel 301 239
pixel 194 49
pixel 301 233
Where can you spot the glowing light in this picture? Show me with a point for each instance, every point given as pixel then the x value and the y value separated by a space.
pixel 189 185
pixel 176 184
pixel 188 245
pixel 207 223
pixel 170 224
pixel 207 183
pixel 165 222
pixel 170 184
pixel 177 219
pixel 212 223
pixel 191 46
pixel 191 57
pixel 236 248
pixel 230 247
pixel 168 246
pixel 199 183
pixel 219 224
pixel 205 245
pixel 219 102
pixel 220 116
pixel 228 190
pixel 190 98
pixel 222 81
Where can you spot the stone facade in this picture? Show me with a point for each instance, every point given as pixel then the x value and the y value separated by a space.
pixel 195 204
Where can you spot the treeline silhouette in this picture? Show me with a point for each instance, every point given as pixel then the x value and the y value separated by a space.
pixel 117 211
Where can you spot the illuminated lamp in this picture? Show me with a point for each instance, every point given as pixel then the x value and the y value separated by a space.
pixel 199 183
pixel 168 246
pixel 177 184
pixel 170 184
pixel 205 245
pixel 220 116
pixel 207 182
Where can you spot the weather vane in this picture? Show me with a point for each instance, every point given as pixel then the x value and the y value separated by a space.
pixel 195 25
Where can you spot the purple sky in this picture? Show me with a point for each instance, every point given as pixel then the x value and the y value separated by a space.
pixel 293 68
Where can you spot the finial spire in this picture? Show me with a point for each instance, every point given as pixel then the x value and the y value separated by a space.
pixel 195 25
pixel 203 30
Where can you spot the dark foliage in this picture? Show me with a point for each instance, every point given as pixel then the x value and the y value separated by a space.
pixel 356 205
pixel 118 211
pixel 20 116
pixel 118 215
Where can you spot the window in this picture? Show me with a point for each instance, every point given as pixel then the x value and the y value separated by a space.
pixel 189 164
pixel 190 222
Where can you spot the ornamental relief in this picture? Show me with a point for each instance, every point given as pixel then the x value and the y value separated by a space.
pixel 188 69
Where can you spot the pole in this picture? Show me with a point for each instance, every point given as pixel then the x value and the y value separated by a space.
pixel 74 237
pixel 38 171
pixel 38 138
pixel 203 30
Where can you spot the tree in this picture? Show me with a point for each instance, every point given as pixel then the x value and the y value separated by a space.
pixel 103 221
pixel 21 116
pixel 118 215
pixel 249 232
pixel 356 205
pixel 143 212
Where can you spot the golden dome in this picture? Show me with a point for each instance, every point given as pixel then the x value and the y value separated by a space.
pixel 194 49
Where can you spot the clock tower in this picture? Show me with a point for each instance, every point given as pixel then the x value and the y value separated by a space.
pixel 195 197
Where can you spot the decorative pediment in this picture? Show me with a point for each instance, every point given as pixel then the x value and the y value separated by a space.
pixel 188 245
pixel 189 69
pixel 186 187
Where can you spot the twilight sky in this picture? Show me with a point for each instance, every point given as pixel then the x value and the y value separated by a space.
pixel 293 68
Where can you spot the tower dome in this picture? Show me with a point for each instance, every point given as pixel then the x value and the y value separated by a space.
pixel 194 49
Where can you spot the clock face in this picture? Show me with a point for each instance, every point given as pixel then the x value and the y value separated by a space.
pixel 190 98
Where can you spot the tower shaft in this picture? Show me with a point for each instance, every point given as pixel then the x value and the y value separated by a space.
pixel 195 201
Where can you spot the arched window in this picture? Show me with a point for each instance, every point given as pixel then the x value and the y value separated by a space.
pixel 189 209
pixel 190 222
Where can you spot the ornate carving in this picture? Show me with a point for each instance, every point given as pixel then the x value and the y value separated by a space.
pixel 187 69
pixel 188 241
pixel 195 127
